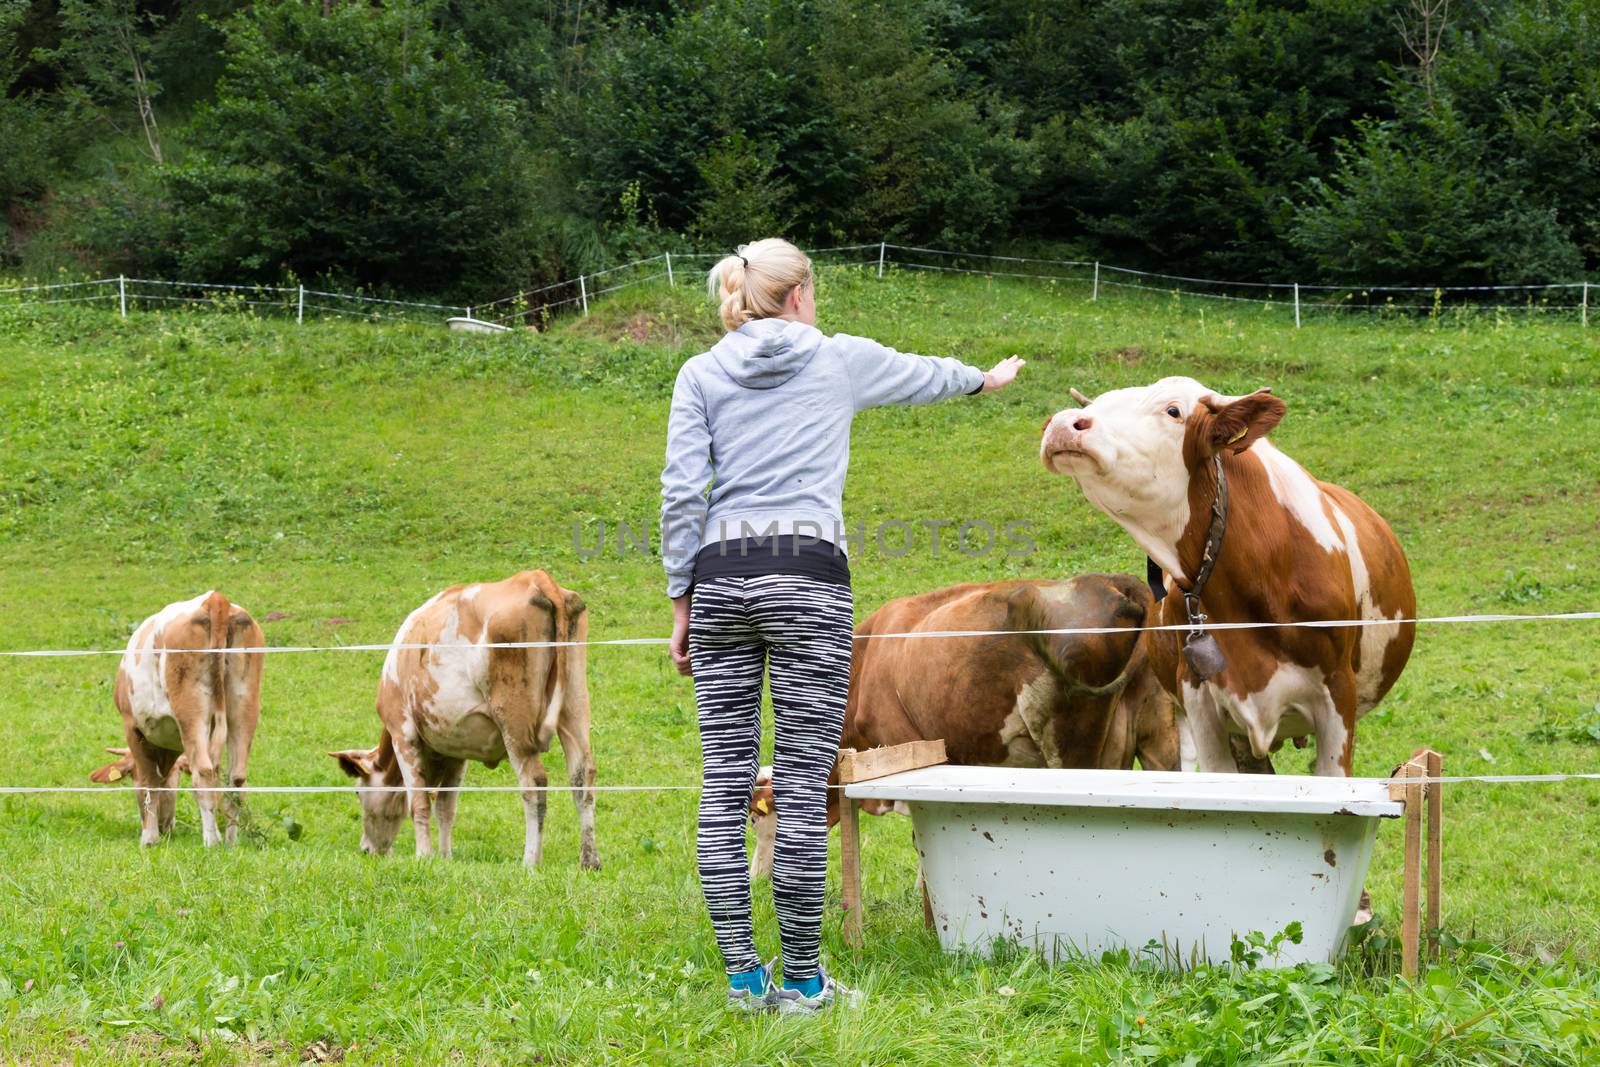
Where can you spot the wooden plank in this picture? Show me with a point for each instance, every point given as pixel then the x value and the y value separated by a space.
pixel 850 868
pixel 872 763
pixel 1416 765
pixel 1435 767
pixel 1413 874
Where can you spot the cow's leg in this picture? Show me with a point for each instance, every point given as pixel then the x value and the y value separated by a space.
pixel 580 774
pixel 447 775
pixel 1188 755
pixel 216 744
pixel 766 825
pixel 243 712
pixel 166 802
pixel 1334 723
pixel 191 708
pixel 1246 758
pixel 1209 724
pixel 413 772
pixel 573 728
pixel 148 773
pixel 534 779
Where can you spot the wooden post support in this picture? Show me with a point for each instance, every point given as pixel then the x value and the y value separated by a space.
pixel 854 766
pixel 1435 790
pixel 850 868
pixel 1425 763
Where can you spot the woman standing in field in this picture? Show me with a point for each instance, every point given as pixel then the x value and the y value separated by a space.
pixel 758 442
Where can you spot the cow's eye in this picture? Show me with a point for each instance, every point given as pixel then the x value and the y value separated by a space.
pixel 1174 412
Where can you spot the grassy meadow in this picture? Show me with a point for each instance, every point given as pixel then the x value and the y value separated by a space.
pixel 335 475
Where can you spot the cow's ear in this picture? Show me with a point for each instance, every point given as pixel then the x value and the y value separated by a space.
pixel 1238 423
pixel 112 772
pixel 355 762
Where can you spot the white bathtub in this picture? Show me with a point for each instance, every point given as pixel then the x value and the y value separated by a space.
pixel 1088 861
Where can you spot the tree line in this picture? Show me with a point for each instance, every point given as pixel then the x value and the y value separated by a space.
pixel 462 147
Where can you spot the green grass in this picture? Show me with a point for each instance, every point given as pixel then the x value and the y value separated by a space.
pixel 348 471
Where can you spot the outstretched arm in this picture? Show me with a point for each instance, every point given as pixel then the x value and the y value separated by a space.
pixel 880 375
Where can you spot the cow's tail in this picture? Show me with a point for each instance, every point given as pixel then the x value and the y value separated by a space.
pixel 555 687
pixel 217 611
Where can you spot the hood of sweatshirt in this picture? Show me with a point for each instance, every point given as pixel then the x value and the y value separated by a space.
pixel 765 353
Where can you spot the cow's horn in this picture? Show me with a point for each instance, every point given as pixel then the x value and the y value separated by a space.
pixel 1081 399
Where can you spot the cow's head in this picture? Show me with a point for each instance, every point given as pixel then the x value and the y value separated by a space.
pixel 382 810
pixel 1133 451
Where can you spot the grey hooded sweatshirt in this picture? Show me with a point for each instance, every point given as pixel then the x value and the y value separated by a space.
pixel 758 439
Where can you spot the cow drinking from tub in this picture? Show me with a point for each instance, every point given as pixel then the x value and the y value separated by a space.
pixel 450 698
pixel 1006 694
pixel 1191 476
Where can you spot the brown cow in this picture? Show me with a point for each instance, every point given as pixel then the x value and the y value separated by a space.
pixel 1294 550
pixel 181 701
pixel 1017 700
pixel 458 700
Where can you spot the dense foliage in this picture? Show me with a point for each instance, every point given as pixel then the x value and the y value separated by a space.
pixel 438 146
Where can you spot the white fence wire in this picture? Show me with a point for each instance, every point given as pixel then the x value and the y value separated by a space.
pixel 537 306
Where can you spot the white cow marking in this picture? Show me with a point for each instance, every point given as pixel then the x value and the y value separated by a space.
pixel 1299 492
pixel 146 671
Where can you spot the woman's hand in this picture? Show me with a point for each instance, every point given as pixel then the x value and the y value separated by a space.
pixel 679 646
pixel 1002 373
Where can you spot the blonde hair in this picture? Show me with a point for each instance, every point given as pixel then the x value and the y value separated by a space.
pixel 754 282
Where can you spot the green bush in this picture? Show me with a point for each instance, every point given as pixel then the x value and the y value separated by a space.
pixel 362 145
pixel 1424 201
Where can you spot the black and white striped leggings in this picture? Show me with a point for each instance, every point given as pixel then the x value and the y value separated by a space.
pixel 801 628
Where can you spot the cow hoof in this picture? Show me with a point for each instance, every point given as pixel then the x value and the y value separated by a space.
pixel 589 863
pixel 1363 909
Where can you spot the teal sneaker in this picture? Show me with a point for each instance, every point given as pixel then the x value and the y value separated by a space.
pixel 832 994
pixel 749 1002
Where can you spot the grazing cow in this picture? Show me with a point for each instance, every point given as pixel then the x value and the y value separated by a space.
pixel 1293 549
pixel 458 700
pixel 1017 700
pixel 181 703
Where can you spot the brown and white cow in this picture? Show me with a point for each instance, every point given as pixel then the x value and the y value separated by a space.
pixel 182 703
pixel 1295 550
pixel 458 700
pixel 1015 700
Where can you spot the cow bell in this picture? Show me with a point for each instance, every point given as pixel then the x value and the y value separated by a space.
pixel 1204 656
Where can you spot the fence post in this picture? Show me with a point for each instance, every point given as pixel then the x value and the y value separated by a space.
pixel 300 308
pixel 1586 303
pixel 122 294
pixel 469 311
pixel 671 284
pixel 881 246
pixel 1297 305
pixel 583 294
pixel 1096 294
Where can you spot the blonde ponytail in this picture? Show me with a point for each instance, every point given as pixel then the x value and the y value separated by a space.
pixel 754 282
